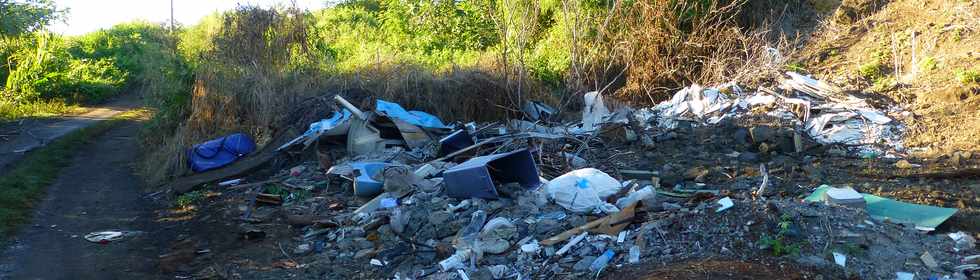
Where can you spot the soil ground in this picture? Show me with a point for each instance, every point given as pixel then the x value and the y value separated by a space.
pixel 98 192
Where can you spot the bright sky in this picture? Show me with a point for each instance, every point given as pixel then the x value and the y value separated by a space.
pixel 90 15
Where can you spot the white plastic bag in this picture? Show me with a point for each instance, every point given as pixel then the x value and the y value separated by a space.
pixel 584 190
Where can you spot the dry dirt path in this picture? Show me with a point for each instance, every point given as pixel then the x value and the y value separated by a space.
pixel 98 192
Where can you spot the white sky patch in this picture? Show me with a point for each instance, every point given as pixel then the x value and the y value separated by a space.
pixel 89 15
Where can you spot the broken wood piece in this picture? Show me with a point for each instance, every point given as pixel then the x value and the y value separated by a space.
pixel 273 199
pixel 572 232
pixel 616 222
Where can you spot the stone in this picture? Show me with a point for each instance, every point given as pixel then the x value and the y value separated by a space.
pixel 903 164
pixel 439 217
pixel 741 137
pixel 546 226
pixel 584 263
pixel 498 271
pixel 748 157
pixel 812 261
pixel 761 134
pixel 363 243
pixel 364 253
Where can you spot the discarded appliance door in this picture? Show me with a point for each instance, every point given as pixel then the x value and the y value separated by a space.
pixel 365 138
pixel 455 142
pixel 477 176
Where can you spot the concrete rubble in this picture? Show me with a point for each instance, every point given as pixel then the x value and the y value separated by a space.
pixel 550 200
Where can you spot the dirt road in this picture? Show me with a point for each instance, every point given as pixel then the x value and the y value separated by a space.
pixel 98 192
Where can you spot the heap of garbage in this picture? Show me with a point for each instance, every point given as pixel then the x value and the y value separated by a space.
pixel 400 194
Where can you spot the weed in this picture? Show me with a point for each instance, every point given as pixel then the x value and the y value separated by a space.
pixel 968 77
pixel 797 66
pixel 871 70
pixel 928 64
pixel 189 198
pixel 779 243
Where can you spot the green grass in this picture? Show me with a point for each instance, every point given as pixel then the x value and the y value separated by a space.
pixel 10 111
pixel 25 182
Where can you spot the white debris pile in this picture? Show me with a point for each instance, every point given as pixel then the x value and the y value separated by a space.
pixel 837 118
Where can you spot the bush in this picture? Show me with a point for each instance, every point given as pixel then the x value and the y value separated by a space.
pixel 45 70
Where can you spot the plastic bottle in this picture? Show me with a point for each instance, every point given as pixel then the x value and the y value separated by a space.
pixel 469 233
pixel 602 261
pixel 634 254
pixel 398 220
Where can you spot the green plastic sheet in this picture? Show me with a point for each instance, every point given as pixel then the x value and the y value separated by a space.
pixel 924 217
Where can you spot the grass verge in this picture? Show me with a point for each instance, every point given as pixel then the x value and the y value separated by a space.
pixel 41 109
pixel 26 180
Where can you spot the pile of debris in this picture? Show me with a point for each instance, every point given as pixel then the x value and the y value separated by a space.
pixel 400 194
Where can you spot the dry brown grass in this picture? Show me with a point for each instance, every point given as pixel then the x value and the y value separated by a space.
pixel 650 49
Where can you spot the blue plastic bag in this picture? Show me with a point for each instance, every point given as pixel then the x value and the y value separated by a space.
pixel 219 152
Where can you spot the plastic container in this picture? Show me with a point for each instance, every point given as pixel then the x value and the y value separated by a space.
pixel 602 261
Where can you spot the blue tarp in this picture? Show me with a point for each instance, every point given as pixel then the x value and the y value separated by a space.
pixel 419 118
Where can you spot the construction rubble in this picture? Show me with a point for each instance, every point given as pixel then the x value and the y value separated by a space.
pixel 714 173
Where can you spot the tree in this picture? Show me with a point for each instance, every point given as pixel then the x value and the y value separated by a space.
pixel 26 16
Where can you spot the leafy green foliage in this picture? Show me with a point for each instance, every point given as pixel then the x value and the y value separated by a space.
pixel 189 198
pixel 779 243
pixel 23 17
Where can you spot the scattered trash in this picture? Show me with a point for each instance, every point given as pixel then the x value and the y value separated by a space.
pixel 725 203
pixel 602 261
pixel 105 237
pixel 233 182
pixel 928 260
pixel 535 110
pixel 476 177
pixel 904 276
pixel 963 241
pixel 840 259
pixel 584 190
pixel 634 254
pixel 571 243
pixel 520 199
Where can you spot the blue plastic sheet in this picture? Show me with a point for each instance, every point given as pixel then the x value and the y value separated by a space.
pixel 327 124
pixel 419 118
